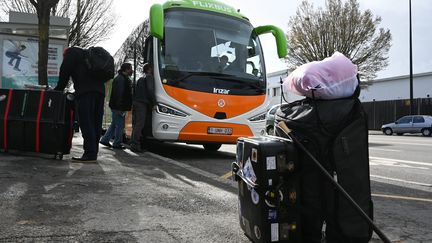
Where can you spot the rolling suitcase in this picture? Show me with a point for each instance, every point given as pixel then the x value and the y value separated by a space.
pixel 267 175
pixel 36 121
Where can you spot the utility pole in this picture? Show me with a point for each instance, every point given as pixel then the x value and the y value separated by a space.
pixel 135 61
pixel 281 89
pixel 411 62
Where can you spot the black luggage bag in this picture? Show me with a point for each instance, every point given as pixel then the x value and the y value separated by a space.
pixel 332 141
pixel 266 171
pixel 36 121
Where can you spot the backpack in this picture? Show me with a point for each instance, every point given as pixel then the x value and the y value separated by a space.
pixel 335 132
pixel 99 63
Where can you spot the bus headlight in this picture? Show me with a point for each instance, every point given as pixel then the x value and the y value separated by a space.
pixel 258 118
pixel 164 109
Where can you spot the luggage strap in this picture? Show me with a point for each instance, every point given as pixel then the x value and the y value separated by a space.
pixel 9 98
pixel 41 99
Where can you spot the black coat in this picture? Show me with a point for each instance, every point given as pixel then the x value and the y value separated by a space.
pixel 73 66
pixel 121 93
pixel 145 91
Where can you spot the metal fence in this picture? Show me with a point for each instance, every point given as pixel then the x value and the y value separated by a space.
pixel 382 112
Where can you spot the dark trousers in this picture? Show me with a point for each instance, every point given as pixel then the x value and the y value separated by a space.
pixel 139 112
pixel 90 114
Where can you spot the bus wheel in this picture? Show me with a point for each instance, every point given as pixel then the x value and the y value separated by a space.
pixel 212 146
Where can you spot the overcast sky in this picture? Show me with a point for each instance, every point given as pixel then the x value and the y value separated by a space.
pixel 394 15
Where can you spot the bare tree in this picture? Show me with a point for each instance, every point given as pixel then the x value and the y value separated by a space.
pixel 43 8
pixel 92 23
pixel 316 34
pixel 134 43
pixel 92 20
pixel 25 6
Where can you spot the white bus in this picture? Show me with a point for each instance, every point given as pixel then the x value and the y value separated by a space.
pixel 210 78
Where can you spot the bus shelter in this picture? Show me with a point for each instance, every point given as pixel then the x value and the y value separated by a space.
pixel 19 46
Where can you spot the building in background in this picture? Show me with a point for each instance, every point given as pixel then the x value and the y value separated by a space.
pixel 274 88
pixel 388 99
pixel 397 88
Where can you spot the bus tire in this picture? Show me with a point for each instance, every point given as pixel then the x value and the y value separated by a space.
pixel 212 146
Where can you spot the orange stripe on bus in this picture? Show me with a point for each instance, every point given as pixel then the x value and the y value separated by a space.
pixel 207 103
pixel 197 132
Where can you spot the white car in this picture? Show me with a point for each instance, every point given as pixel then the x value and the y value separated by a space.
pixel 410 124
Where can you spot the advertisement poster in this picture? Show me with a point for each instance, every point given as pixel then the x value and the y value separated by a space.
pixel 20 63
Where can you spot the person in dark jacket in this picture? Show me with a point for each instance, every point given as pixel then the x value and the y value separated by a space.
pixel 89 96
pixel 143 100
pixel 120 103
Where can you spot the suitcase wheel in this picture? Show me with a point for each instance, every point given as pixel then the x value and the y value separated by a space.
pixel 58 156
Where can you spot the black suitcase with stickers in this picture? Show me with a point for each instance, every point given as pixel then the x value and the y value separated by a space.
pixel 33 120
pixel 267 173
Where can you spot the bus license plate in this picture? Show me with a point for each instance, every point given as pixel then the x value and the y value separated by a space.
pixel 219 130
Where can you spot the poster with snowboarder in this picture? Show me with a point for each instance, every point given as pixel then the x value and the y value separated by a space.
pixel 20 63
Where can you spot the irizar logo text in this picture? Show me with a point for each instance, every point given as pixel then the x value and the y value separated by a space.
pixel 221 91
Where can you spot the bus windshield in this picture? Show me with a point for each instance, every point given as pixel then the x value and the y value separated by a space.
pixel 201 47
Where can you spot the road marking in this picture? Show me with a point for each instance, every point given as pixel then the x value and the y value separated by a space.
pixel 400 161
pixel 388 150
pixel 194 170
pixel 395 142
pixel 402 139
pixel 402 197
pixel 400 180
pixel 395 164
pixel 226 175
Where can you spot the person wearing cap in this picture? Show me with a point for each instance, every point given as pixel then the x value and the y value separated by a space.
pixel 120 102
pixel 89 97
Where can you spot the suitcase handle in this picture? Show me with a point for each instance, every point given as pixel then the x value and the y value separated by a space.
pixel 37 86
pixel 238 174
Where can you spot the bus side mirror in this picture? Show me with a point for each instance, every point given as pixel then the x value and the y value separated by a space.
pixel 279 35
pixel 157 21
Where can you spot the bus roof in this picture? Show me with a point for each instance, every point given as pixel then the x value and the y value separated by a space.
pixel 208 5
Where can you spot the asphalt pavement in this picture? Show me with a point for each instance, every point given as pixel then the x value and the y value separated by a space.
pixel 129 197
pixel 124 197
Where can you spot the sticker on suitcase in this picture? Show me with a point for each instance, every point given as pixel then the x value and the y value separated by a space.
pixel 254 196
pixel 271 163
pixel 254 156
pixel 272 214
pixel 274 232
pixel 249 172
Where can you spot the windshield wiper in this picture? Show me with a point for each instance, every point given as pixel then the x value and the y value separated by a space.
pixel 252 83
pixel 207 74
pixel 222 76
